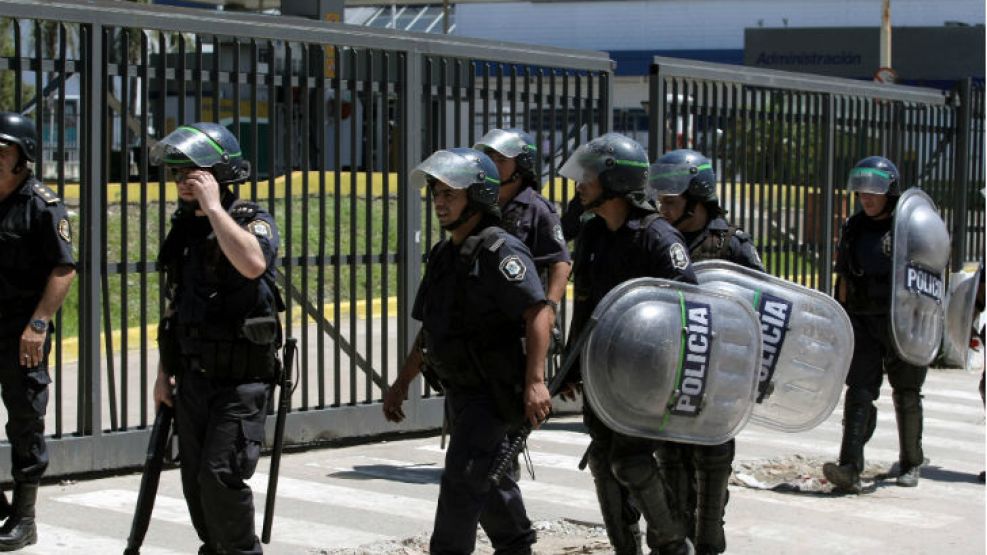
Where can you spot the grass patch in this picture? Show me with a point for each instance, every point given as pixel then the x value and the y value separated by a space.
pixel 319 232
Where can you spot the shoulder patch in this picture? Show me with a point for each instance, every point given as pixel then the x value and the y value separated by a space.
pixel 64 230
pixel 886 244
pixel 45 193
pixel 678 256
pixel 754 254
pixel 260 228
pixel 557 233
pixel 513 268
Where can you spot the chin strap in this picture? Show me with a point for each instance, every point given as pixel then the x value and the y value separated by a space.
pixel 604 196
pixel 690 208
pixel 465 215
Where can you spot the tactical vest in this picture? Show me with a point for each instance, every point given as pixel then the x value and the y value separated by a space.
pixel 715 245
pixel 23 272
pixel 225 325
pixel 583 289
pixel 866 294
pixel 487 356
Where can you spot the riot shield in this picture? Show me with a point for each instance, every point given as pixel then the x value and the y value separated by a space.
pixel 671 361
pixel 920 254
pixel 960 303
pixel 807 344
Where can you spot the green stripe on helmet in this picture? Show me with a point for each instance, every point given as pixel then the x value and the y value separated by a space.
pixel 870 171
pixel 632 163
pixel 493 180
pixel 675 173
pixel 212 142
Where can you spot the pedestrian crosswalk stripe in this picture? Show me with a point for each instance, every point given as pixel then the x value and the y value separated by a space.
pixel 347 497
pixel 821 539
pixel 890 514
pixel 954 394
pixel 564 437
pixel 169 509
pixel 539 458
pixel 755 437
pixel 574 497
pixel 53 540
pixel 931 437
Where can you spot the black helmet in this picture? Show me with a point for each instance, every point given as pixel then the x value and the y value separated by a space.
pixel 513 143
pixel 462 168
pixel 16 129
pixel 620 163
pixel 876 175
pixel 683 172
pixel 203 145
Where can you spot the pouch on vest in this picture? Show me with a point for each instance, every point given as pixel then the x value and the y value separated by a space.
pixel 262 330
pixel 169 352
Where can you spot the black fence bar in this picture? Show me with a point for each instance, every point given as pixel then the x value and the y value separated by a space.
pixel 783 143
pixel 346 229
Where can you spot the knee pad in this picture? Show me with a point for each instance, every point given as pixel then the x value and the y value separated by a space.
pixel 634 472
pixel 856 396
pixel 713 457
pixel 907 400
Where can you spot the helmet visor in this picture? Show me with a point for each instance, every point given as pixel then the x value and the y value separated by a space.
pixel 506 143
pixel 869 180
pixel 452 169
pixel 584 165
pixel 672 179
pixel 189 146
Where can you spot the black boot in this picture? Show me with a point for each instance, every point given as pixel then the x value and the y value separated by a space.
pixel 5 508
pixel 639 474
pixel 859 421
pixel 713 469
pixel 675 463
pixel 19 531
pixel 619 516
pixel 908 412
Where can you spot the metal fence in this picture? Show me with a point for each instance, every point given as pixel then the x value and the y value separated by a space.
pixel 333 119
pixel 783 143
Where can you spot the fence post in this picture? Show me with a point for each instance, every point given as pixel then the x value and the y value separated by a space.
pixel 829 174
pixel 961 173
pixel 656 113
pixel 90 251
pixel 410 208
pixel 605 104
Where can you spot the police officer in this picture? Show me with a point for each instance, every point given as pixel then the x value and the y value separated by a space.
pixel 530 217
pixel 684 185
pixel 36 271
pixel 220 333
pixel 863 268
pixel 485 333
pixel 626 239
pixel 524 211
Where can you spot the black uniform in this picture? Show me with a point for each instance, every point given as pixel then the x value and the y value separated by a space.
pixel 699 473
pixel 532 219
pixel 226 333
pixel 624 468
pixel 34 239
pixel 471 305
pixel 863 261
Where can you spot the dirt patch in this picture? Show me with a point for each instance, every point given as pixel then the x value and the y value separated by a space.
pixel 796 473
pixel 562 537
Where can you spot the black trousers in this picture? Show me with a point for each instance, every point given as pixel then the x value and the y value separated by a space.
pixel 874 355
pixel 220 430
pixel 25 397
pixel 466 497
